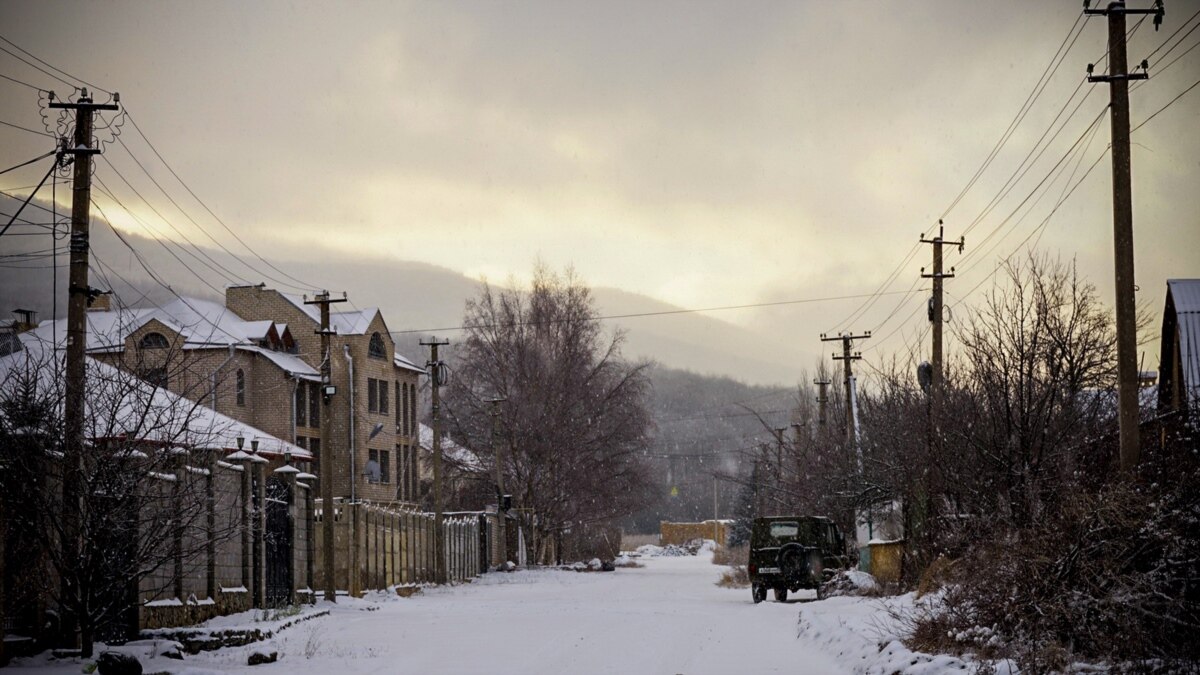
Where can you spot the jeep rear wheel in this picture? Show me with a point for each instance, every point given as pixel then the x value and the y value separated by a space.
pixel 758 592
pixel 781 595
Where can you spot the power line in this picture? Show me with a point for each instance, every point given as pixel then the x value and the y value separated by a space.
pixel 21 82
pixel 303 284
pixel 1034 94
pixel 1168 105
pixel 35 58
pixel 635 315
pixel 26 163
pixel 32 131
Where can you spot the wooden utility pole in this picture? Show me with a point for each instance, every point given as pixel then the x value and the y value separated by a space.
pixel 822 401
pixel 1118 78
pixel 498 457
pixel 436 379
pixel 324 454
pixel 847 358
pixel 779 461
pixel 935 316
pixel 79 296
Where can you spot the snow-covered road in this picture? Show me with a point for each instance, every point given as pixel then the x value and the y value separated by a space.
pixel 667 617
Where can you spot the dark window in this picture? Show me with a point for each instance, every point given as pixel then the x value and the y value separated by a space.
pixel 314 446
pixel 153 341
pixel 404 430
pixel 376 349
pixel 301 404
pixel 398 413
pixel 314 405
pixel 301 442
pixel 372 395
pixel 156 376
pixel 382 385
pixel 385 466
pixel 241 387
pixel 412 410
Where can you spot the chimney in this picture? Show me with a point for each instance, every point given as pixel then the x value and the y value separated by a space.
pixel 100 303
pixel 26 319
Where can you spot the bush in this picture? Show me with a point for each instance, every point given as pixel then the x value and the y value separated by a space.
pixel 735 577
pixel 1111 575
pixel 735 555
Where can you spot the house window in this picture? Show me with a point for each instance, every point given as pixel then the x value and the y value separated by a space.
pixel 314 405
pixel 379 466
pixel 314 446
pixel 372 395
pixel 382 385
pixel 413 429
pixel 241 387
pixel 301 442
pixel 153 341
pixel 402 408
pixel 376 349
pixel 156 376
pixel 301 404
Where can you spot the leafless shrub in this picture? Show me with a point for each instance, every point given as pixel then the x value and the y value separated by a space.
pixel 735 577
pixel 735 555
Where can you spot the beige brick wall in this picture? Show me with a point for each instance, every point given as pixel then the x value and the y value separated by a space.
pixel 255 303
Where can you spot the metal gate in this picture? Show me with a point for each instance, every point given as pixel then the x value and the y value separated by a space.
pixel 278 541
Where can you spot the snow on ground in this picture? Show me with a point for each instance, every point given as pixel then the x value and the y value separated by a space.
pixel 665 617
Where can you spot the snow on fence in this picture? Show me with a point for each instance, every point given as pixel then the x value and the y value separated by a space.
pixel 378 546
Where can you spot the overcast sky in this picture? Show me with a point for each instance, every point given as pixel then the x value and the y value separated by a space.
pixel 699 153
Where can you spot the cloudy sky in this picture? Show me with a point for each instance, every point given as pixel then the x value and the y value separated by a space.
pixel 702 154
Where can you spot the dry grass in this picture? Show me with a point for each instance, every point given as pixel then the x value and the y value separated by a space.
pixel 630 542
pixel 734 577
pixel 738 555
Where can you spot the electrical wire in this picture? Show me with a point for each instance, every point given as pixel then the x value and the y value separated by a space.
pixel 32 131
pixel 634 315
pixel 21 82
pixel 133 120
pixel 35 58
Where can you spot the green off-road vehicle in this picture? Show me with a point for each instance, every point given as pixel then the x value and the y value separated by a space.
pixel 788 553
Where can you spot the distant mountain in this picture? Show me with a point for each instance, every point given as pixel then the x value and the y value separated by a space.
pixel 413 295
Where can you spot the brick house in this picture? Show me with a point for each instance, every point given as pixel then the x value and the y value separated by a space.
pixel 373 417
pixel 257 359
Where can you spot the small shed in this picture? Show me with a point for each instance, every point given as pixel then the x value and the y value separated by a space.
pixel 1179 362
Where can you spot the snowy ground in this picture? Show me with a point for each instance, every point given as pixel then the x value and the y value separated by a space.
pixel 667 617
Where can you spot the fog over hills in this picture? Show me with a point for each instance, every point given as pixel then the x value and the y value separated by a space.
pixel 414 296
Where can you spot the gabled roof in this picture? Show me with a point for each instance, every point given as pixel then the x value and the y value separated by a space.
pixel 355 322
pixel 156 415
pixel 201 323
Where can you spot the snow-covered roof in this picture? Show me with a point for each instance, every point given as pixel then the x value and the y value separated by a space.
pixel 119 404
pixel 354 322
pixel 203 324
pixel 450 450
pixel 402 362
pixel 289 363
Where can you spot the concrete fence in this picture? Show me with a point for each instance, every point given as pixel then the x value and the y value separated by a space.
pixel 378 546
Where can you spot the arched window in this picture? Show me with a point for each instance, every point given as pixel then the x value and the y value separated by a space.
pixel 153 341
pixel 241 387
pixel 375 349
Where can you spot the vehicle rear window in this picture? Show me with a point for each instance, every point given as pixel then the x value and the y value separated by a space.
pixel 785 529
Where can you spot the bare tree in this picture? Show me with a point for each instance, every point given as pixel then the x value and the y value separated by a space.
pixel 143 512
pixel 575 418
